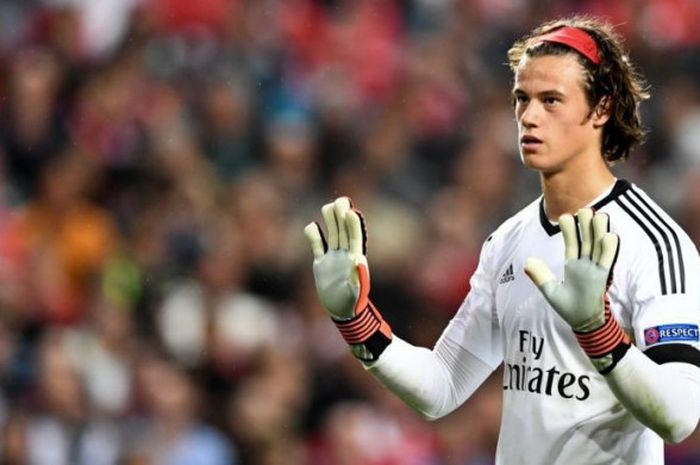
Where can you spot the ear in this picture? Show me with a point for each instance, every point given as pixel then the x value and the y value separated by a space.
pixel 601 113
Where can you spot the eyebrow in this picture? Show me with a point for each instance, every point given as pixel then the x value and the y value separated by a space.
pixel 546 93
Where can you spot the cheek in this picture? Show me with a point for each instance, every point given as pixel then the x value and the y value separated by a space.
pixel 566 127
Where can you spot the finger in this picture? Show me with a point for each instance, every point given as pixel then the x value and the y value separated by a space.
pixel 538 272
pixel 610 246
pixel 313 233
pixel 356 233
pixel 601 225
pixel 328 213
pixel 567 224
pixel 341 207
pixel 585 215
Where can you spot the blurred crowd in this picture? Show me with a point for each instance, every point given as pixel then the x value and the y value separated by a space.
pixel 159 159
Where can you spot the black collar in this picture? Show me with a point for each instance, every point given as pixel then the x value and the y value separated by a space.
pixel 620 186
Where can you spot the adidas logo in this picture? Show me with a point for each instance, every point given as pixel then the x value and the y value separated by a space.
pixel 507 275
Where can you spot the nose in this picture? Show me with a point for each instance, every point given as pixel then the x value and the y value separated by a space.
pixel 530 115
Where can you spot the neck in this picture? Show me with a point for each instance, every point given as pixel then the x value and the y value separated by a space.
pixel 567 191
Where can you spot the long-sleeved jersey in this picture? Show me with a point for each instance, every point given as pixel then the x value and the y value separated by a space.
pixel 557 409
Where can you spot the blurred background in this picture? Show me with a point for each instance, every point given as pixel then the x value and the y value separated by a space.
pixel 159 159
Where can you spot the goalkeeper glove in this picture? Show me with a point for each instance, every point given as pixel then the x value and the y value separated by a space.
pixel 581 299
pixel 342 279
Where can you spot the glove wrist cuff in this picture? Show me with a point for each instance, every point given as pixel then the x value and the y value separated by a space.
pixel 367 328
pixel 605 345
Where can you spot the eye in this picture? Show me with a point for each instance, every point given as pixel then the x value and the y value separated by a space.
pixel 550 100
pixel 521 98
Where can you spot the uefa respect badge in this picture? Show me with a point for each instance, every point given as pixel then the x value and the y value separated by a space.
pixel 671 333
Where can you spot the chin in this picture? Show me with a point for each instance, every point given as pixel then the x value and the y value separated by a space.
pixel 542 169
pixel 532 161
pixel 539 162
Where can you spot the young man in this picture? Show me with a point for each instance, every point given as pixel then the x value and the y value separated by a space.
pixel 600 367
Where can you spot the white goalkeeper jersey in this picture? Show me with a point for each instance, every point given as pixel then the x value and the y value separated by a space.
pixel 557 409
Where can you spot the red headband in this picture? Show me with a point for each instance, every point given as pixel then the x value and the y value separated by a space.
pixel 576 38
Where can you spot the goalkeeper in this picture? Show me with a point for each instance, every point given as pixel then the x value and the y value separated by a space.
pixel 588 296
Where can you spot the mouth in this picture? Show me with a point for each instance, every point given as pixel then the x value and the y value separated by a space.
pixel 529 143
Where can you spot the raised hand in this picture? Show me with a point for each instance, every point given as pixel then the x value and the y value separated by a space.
pixel 581 298
pixel 342 278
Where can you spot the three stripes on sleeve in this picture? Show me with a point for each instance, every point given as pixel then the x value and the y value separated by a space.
pixel 662 234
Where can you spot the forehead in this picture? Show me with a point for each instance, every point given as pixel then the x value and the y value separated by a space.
pixel 549 72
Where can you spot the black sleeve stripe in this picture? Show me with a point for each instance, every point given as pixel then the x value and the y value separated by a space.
pixel 674 353
pixel 664 236
pixel 654 240
pixel 681 267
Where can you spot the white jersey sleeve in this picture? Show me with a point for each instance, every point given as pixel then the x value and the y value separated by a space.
pixel 432 382
pixel 476 326
pixel 666 397
pixel 435 382
pixel 661 387
pixel 664 265
pixel 662 318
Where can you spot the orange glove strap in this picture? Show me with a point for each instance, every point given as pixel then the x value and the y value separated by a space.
pixel 609 339
pixel 367 326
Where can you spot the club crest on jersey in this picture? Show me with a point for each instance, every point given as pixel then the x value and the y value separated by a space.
pixel 507 275
pixel 670 333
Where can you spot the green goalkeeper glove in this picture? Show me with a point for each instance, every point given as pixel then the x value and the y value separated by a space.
pixel 581 299
pixel 342 278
